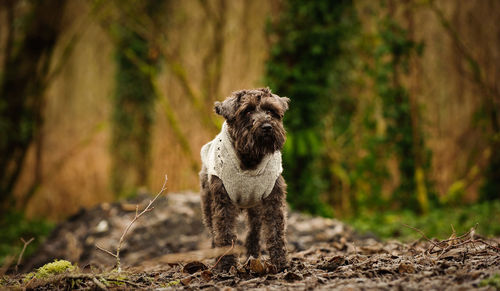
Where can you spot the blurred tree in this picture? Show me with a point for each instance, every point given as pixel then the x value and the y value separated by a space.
pixel 32 32
pixel 134 98
pixel 132 118
pixel 308 37
pixel 487 117
pixel 337 150
pixel 403 136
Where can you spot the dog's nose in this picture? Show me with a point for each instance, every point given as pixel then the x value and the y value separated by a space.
pixel 266 127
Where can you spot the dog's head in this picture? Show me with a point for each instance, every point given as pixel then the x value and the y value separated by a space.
pixel 255 120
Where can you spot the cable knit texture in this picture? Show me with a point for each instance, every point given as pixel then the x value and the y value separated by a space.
pixel 246 188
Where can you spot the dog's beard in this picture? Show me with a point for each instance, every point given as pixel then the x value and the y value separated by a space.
pixel 253 143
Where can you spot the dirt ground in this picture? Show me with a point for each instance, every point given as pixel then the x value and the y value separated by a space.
pixel 168 248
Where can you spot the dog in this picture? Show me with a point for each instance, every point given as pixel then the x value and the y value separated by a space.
pixel 241 171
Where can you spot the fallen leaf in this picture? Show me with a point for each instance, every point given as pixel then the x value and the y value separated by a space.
pixel 206 275
pixel 194 267
pixel 256 266
pixel 332 264
pixel 405 267
pixel 186 280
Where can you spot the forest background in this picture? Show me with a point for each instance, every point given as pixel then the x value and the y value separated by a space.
pixel 393 116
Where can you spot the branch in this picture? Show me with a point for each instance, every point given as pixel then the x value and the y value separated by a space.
pixel 148 208
pixel 422 234
pixel 105 250
pixel 443 246
pixel 26 243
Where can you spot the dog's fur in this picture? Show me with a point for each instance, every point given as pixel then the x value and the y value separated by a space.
pixel 248 114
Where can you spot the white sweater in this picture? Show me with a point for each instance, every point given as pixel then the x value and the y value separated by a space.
pixel 246 188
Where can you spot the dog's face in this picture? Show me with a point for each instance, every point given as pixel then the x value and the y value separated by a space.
pixel 255 120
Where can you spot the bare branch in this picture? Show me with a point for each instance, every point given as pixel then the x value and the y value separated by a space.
pixel 148 208
pixel 444 246
pixel 422 234
pixel 26 243
pixel 105 250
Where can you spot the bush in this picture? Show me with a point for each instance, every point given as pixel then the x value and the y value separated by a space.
pixel 437 223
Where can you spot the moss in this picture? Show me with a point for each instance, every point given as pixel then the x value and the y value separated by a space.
pixel 50 269
pixel 173 283
pixel 493 281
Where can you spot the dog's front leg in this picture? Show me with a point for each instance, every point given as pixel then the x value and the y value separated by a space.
pixel 252 242
pixel 274 218
pixel 206 203
pixel 224 213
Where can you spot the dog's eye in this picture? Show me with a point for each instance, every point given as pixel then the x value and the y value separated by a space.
pixel 273 113
pixel 248 111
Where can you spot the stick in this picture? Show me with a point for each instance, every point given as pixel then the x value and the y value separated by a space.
pixel 422 233
pixel 453 242
pixel 148 208
pixel 99 284
pixel 105 250
pixel 26 243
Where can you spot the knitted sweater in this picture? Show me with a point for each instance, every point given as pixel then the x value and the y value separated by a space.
pixel 245 187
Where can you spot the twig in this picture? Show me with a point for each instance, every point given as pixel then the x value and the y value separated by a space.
pixel 99 284
pixel 197 255
pixel 148 208
pixel 26 243
pixel 421 233
pixel 453 242
pixel 29 282
pixel 225 253
pixel 105 250
pixel 124 281
pixel 489 245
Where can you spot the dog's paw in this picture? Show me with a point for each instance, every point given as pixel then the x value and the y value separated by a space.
pixel 278 265
pixel 225 263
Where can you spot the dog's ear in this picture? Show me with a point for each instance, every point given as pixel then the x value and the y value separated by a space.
pixel 283 101
pixel 227 108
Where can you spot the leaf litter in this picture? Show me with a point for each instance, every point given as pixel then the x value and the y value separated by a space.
pixel 169 249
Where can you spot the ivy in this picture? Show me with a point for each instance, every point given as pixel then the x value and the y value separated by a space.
pixel 340 145
pixel 309 36
pixel 403 137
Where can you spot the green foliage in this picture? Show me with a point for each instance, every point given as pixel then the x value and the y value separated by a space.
pixel 491 187
pixel 14 226
pixel 493 281
pixel 339 146
pixel 309 36
pixel 437 223
pixel 402 138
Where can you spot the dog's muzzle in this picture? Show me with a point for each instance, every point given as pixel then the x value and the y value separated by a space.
pixel 266 128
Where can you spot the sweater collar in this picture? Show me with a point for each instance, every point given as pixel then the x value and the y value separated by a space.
pixel 227 143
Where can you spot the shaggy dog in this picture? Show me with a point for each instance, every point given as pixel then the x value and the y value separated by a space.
pixel 241 170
